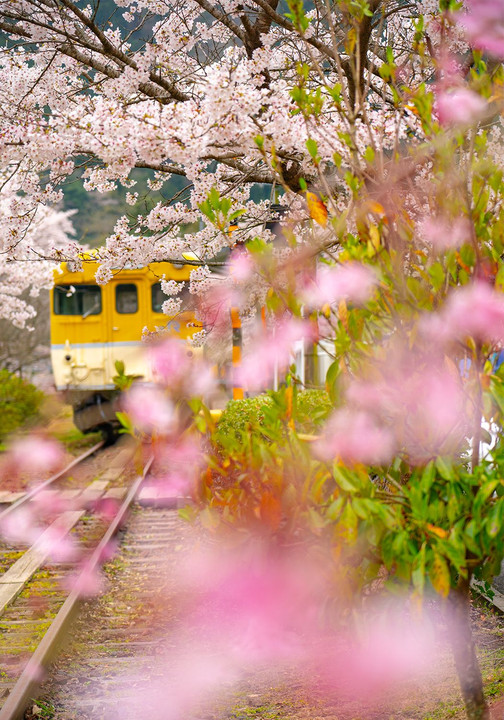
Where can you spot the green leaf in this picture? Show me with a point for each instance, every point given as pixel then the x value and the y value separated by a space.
pixel 445 468
pixel 418 570
pixel 312 147
pixel 345 480
pixel 428 477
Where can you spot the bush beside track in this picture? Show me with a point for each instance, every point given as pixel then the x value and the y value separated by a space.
pixel 20 402
pixel 310 410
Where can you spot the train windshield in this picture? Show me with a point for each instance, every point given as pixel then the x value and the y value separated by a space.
pixel 81 300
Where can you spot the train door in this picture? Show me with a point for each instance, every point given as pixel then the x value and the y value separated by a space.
pixel 127 318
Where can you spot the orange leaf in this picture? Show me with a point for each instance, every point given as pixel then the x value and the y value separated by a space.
pixel 437 530
pixel 316 208
pixel 271 510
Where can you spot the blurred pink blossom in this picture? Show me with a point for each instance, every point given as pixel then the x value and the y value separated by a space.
pixel 20 526
pixel 475 310
pixel 50 502
pixel 351 281
pixel 56 544
pixel 181 368
pixel 150 409
pixel 215 306
pixel 445 233
pixel 355 437
pixel 170 361
pixel 271 351
pixel 260 604
pixel 391 646
pixel 35 454
pixel 484 25
pixel 106 508
pixel 86 582
pixel 241 266
pixel 265 605
pixel 459 106
pixel 423 405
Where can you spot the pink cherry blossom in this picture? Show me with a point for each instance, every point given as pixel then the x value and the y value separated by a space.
pixel 170 360
pixel 150 409
pixel 265 600
pixel 20 526
pixel 57 544
pixel 352 281
pixel 423 403
pixel 270 352
pixel 475 310
pixel 35 454
pixel 241 266
pixel 180 368
pixel 355 437
pixel 459 106
pixel 444 233
pixel 484 25
pixel 87 582
pixel 392 645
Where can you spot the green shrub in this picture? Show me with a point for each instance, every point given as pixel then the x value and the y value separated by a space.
pixel 19 401
pixel 310 409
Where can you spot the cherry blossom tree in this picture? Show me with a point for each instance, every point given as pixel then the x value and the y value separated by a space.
pixel 209 92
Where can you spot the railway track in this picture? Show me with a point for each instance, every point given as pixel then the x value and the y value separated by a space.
pixel 35 607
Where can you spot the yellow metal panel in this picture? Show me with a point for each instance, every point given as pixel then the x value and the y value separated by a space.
pixel 95 342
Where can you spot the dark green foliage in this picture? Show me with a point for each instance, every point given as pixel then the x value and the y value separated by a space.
pixel 19 401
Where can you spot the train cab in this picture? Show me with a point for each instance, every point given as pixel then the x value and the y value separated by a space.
pixel 94 326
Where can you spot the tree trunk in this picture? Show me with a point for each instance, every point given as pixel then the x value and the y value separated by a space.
pixel 464 652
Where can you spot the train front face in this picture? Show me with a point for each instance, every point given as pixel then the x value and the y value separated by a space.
pixel 93 326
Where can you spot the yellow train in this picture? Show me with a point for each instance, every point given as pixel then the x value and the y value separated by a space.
pixel 93 326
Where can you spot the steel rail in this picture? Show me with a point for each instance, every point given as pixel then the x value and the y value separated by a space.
pixel 34 491
pixel 26 687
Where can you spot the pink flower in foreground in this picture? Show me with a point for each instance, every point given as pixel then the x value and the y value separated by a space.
pixel 149 408
pixel 265 601
pixel 391 647
pixel 35 454
pixel 181 368
pixel 476 311
pixel 241 266
pixel 170 361
pixel 270 352
pixel 423 406
pixel 460 106
pixel 87 582
pixel 484 25
pixel 445 233
pixel 20 526
pixel 57 544
pixel 354 437
pixel 352 281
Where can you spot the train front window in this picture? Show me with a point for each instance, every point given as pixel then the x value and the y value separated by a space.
pixel 126 298
pixel 81 300
pixel 158 297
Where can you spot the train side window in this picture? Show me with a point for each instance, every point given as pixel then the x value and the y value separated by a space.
pixel 158 297
pixel 82 300
pixel 126 298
